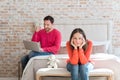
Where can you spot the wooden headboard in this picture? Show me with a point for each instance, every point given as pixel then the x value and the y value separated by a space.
pixel 96 30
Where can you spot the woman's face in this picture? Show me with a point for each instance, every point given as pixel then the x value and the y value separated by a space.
pixel 77 39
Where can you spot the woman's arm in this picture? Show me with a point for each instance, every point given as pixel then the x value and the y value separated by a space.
pixel 73 54
pixel 85 55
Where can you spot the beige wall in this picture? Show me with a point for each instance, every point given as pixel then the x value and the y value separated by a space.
pixel 17 18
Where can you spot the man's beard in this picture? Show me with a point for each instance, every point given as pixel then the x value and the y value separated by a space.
pixel 47 29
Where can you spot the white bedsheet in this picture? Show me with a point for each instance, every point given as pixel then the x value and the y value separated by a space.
pixel 101 61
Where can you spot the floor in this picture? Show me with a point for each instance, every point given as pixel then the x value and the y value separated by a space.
pixel 91 78
pixel 9 78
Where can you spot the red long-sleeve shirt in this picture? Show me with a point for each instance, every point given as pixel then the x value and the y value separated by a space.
pixel 50 42
pixel 79 55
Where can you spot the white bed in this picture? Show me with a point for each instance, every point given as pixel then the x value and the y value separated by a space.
pixel 99 31
pixel 101 61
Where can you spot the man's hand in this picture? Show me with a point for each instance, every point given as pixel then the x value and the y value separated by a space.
pixel 37 27
pixel 41 50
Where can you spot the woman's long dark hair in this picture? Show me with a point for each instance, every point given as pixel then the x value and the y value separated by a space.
pixel 79 30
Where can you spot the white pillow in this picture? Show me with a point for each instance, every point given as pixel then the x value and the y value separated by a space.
pixel 63 44
pixel 100 46
pixel 63 49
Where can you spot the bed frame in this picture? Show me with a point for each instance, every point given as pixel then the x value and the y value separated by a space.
pixel 95 30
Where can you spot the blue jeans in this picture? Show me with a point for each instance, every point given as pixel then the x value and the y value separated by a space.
pixel 25 59
pixel 79 71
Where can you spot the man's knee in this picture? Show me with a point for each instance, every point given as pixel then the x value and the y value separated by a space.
pixel 24 58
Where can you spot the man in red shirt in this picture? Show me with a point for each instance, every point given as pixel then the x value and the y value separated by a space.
pixel 49 38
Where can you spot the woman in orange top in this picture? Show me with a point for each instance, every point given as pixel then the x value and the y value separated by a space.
pixel 79 50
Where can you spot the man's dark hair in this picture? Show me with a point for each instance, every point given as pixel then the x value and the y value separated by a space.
pixel 49 18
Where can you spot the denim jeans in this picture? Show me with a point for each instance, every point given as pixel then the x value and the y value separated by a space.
pixel 25 59
pixel 79 71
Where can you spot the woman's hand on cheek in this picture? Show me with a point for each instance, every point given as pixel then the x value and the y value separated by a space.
pixel 83 43
pixel 72 43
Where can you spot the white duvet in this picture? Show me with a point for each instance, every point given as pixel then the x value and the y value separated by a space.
pixel 101 60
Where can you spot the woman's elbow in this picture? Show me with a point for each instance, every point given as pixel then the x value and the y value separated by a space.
pixel 74 62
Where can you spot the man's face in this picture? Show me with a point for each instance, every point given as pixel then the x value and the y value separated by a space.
pixel 48 26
